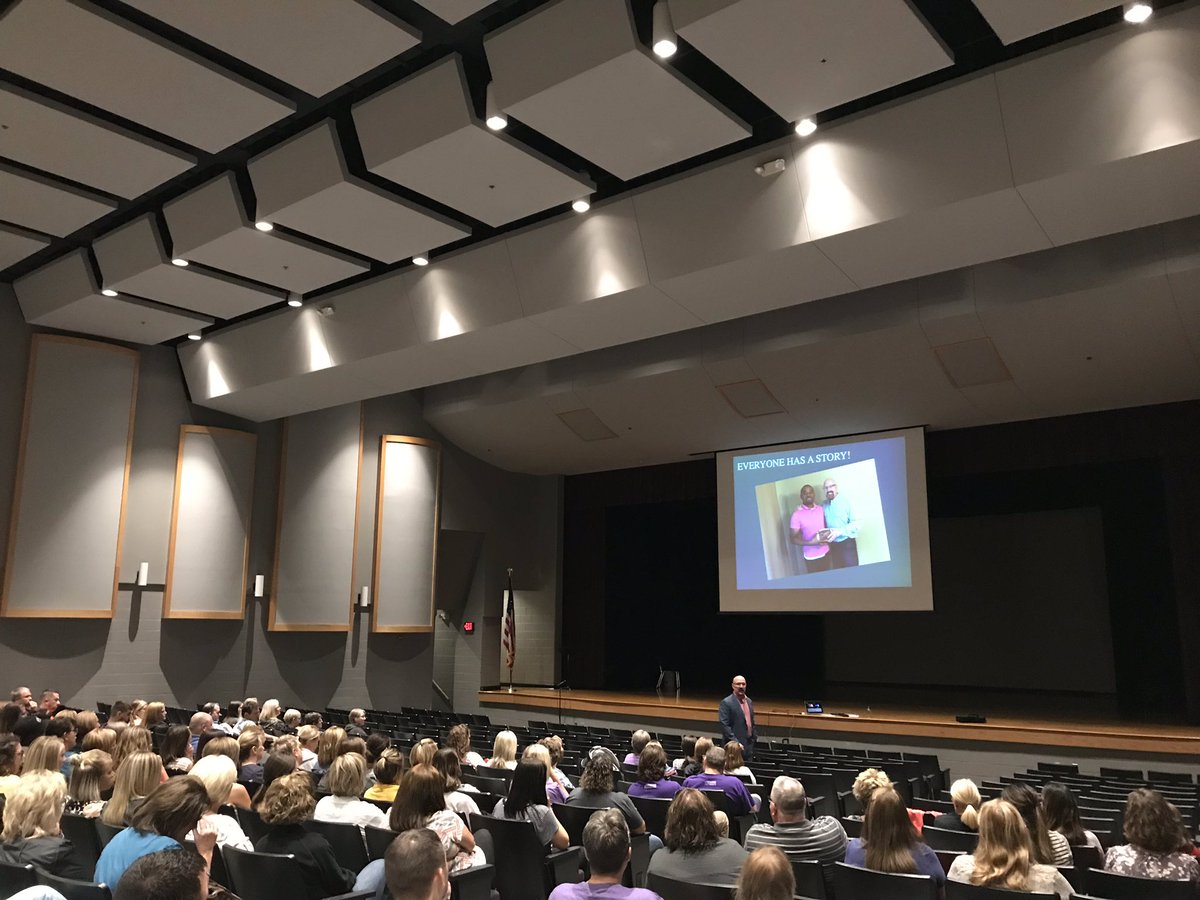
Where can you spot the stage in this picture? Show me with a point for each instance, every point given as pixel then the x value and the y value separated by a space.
pixel 778 719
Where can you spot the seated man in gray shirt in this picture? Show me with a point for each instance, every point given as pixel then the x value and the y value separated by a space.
pixel 793 832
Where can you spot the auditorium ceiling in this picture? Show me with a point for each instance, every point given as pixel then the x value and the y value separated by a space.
pixel 313 192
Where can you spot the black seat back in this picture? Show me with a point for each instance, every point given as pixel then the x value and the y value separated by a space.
pixel 1127 887
pixel 106 832
pixel 345 839
pixel 853 883
pixel 75 890
pixel 14 878
pixel 85 840
pixel 670 889
pixel 252 824
pixel 264 876
pixel 653 811
pixel 378 840
pixel 956 890
pixel 520 857
pixel 945 839
pixel 810 879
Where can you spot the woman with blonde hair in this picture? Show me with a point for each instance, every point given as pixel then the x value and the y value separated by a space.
pixel 504 751
pixel 347 781
pixel 218 774
pixel 735 762
pixel 556 791
pixel 100 739
pixel 309 737
pixel 86 721
pixel 1003 857
pixel 459 740
pixel 139 774
pixel 389 768
pixel 966 799
pixel 890 843
pixel 131 740
pixel 155 716
pixel 868 782
pixel 422 752
pixel 554 744
pixel 327 749
pixel 228 747
pixel 1049 847
pixel 137 713
pixel 91 774
pixel 766 875
pixel 45 754
pixel 32 834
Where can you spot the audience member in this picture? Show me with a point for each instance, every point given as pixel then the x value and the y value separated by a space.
pixel 200 723
pixel 228 747
pixel 389 768
pixel 595 789
pixel 160 823
pixel 176 751
pixel 459 740
pixel 44 755
pixel 1049 847
pixel 458 800
pixel 688 748
pixel 965 796
pixel 309 737
pixel 890 843
pixel 713 778
pixel 131 740
pixel 606 846
pixel 766 875
pixel 29 728
pixel 291 722
pixel 638 743
pixel 415 867
pixel 327 749
pixel 357 723
pixel 1158 845
pixel 286 805
pixel 793 832
pixel 119 712
pixel 213 734
pixel 652 778
pixel 1061 814
pixel 10 714
pixel 347 781
pixel 269 719
pixel 49 704
pixel 1003 858
pixel 92 775
pixel 218 774
pixel 695 765
pixel 277 765
pixel 555 791
pixel 554 744
pixel 23 697
pixel 137 713
pixel 250 754
pixel 288 744
pixel 695 850
pixel 11 755
pixel 504 751
pixel 32 835
pixel 735 762
pixel 165 875
pixel 136 778
pixel 526 801
pixel 421 803
pixel 865 786
pixel 62 728
pixel 250 711
pixel 101 739
pixel 422 752
pixel 86 721
pixel 155 718
pixel 314 719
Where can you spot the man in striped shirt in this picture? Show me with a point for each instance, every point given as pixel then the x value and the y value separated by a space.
pixel 798 836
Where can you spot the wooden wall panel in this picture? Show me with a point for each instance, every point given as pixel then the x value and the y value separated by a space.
pixel 407 519
pixel 209 547
pixel 316 536
pixel 72 480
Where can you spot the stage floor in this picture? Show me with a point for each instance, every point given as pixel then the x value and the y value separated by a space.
pixel 777 717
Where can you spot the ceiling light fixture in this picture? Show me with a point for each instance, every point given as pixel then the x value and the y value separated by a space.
pixel 295 300
pixel 494 116
pixel 581 205
pixel 663 32
pixel 263 225
pixel 805 127
pixel 179 261
pixel 421 259
pixel 108 292
pixel 194 336
pixel 1137 13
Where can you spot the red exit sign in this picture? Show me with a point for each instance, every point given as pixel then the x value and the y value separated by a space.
pixel 468 627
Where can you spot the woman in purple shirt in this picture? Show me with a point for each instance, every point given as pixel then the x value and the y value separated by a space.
pixel 809 531
pixel 652 775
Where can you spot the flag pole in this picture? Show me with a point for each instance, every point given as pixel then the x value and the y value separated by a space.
pixel 512 652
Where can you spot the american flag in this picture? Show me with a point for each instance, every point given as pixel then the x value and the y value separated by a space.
pixel 510 626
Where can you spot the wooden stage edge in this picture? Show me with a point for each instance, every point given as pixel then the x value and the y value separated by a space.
pixel 775 718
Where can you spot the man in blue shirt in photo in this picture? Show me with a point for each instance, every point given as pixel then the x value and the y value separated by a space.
pixel 842 527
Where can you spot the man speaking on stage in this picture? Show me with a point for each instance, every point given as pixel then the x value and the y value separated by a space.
pixel 737 718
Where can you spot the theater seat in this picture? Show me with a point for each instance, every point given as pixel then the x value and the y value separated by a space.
pixel 670 889
pixel 267 876
pixel 1126 887
pixel 524 870
pixel 956 890
pixel 15 878
pixel 853 883
pixel 75 890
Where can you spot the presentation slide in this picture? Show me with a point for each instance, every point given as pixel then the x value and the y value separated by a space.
pixel 825 526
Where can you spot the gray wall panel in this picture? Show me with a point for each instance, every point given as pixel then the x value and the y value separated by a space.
pixel 72 477
pixel 406 531
pixel 317 537
pixel 210 524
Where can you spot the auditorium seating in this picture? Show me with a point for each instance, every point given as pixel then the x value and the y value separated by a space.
pixel 671 889
pixel 853 883
pixel 959 891
pixel 524 870
pixel 268 876
pixel 15 878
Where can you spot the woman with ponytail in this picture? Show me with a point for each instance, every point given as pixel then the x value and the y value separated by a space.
pixel 967 801
pixel 1004 857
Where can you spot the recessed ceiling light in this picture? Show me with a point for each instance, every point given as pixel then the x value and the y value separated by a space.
pixel 805 127
pixel 294 300
pixel 194 336
pixel 179 261
pixel 581 205
pixel 420 260
pixel 663 33
pixel 263 225
pixel 108 292
pixel 495 118
pixel 1137 13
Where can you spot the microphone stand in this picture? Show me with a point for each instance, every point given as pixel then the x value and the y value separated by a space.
pixel 559 687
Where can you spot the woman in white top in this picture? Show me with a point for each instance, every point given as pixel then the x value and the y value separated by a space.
pixel 1004 856
pixel 504 751
pixel 459 740
pixel 309 736
pixel 457 798
pixel 217 774
pixel 735 762
pixel 347 781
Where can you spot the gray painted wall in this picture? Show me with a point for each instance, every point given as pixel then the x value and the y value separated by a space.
pixel 495 519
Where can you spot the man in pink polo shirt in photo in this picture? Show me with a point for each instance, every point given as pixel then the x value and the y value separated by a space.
pixel 809 531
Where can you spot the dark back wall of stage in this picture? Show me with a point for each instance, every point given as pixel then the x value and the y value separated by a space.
pixel 640 576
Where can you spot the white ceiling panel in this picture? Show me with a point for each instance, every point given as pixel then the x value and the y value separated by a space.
pixel 617 319
pixel 16 244
pixel 46 206
pixel 133 261
pixel 453 11
pixel 802 58
pixel 575 72
pixel 464 292
pixel 64 294
pixel 120 68
pixel 209 225
pixel 41 133
pixel 314 45
pixel 521 342
pixel 423 134
pixel 370 318
pixel 1013 20
pixel 306 185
